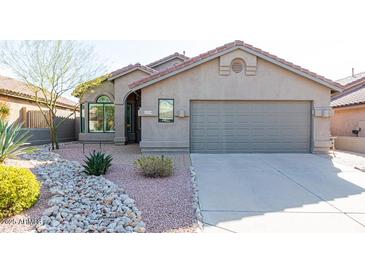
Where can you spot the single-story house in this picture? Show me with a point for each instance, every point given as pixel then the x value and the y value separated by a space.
pixel 348 121
pixel 235 98
pixel 23 109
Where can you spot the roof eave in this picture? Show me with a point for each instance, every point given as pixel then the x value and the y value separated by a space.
pixel 129 71
pixel 349 105
pixel 152 65
pixel 355 84
pixel 262 56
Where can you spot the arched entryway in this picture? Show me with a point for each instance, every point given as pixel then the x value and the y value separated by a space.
pixel 132 120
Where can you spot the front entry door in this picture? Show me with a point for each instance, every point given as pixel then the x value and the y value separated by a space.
pixel 131 123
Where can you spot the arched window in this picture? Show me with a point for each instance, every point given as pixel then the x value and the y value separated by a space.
pixel 103 99
pixel 101 115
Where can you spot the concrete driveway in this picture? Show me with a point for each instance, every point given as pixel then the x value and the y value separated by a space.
pixel 279 193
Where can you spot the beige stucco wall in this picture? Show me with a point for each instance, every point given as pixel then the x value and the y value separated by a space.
pixel 121 84
pixel 204 82
pixel 122 91
pixel 347 143
pixel 346 119
pixel 117 90
pixel 106 88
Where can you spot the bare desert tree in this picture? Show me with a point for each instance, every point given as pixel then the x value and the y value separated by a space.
pixel 51 69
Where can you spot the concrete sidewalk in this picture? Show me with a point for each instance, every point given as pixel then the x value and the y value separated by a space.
pixel 279 193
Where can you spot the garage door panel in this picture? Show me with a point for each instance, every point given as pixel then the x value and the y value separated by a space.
pixel 211 147
pixel 197 119
pixel 250 126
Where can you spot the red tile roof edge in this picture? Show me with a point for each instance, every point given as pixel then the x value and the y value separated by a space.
pixel 165 59
pixel 348 91
pixel 62 102
pixel 349 88
pixel 345 94
pixel 354 83
pixel 349 104
pixel 26 94
pixel 220 49
pixel 131 67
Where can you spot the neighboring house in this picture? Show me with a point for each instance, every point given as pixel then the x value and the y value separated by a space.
pixel 23 109
pixel 235 98
pixel 348 121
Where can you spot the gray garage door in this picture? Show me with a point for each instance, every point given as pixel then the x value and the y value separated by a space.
pixel 250 126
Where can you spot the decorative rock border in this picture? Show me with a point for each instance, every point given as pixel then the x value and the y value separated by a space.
pixel 196 205
pixel 81 203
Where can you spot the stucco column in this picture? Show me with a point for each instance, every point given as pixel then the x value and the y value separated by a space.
pixel 119 120
pixel 321 127
pixel 86 120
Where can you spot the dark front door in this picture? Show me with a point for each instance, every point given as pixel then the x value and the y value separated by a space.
pixel 131 123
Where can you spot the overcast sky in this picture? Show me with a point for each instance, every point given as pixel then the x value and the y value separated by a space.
pixel 329 57
pixel 326 37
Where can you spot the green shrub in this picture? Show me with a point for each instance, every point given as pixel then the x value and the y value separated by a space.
pixel 4 110
pixel 155 166
pixel 19 190
pixel 12 140
pixel 97 163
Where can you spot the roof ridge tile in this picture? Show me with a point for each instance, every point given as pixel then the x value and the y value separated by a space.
pixel 130 67
pixel 175 54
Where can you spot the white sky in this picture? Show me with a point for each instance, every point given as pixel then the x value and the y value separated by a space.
pixel 326 37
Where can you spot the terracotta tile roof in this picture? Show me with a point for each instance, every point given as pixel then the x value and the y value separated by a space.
pixel 348 98
pixel 215 52
pixel 351 79
pixel 131 67
pixel 167 58
pixel 10 86
pixel 354 91
pixel 355 83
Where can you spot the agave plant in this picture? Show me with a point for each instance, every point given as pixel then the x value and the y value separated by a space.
pixel 12 140
pixel 97 163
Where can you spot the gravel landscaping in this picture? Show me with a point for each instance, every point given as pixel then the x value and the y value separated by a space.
pixel 76 202
pixel 167 204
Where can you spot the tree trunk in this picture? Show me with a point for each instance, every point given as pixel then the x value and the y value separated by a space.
pixel 55 141
pixel 53 131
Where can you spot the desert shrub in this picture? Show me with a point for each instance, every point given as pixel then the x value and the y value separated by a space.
pixel 19 190
pixel 97 163
pixel 155 166
pixel 12 140
pixel 4 111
